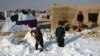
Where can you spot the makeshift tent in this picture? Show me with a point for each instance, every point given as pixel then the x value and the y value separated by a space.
pixel 69 13
pixel 19 22
pixel 98 19
pixel 61 13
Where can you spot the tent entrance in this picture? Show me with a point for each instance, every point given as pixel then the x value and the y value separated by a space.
pixel 93 17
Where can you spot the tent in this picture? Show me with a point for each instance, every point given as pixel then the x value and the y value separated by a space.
pixel 98 19
pixel 19 22
pixel 69 13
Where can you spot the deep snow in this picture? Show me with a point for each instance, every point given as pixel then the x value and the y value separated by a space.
pixel 75 45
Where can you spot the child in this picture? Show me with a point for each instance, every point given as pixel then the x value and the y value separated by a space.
pixel 38 37
pixel 80 19
pixel 60 33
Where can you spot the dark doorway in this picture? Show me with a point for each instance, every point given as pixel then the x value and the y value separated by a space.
pixel 2 16
pixel 93 17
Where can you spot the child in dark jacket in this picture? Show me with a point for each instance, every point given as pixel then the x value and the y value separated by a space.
pixel 80 19
pixel 38 37
pixel 60 33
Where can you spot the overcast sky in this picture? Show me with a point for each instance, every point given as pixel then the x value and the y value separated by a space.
pixel 42 4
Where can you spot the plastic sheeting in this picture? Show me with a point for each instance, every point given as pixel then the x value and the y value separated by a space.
pixel 10 26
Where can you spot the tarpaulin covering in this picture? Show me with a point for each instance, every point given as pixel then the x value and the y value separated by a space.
pixel 19 22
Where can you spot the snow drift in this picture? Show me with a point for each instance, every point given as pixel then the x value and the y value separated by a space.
pixel 75 45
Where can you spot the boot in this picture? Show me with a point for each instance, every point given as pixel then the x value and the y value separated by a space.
pixel 41 49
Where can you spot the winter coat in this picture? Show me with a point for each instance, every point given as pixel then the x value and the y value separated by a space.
pixel 38 34
pixel 80 17
pixel 60 33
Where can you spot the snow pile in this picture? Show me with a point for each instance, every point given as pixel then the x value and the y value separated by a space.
pixel 89 33
pixel 10 46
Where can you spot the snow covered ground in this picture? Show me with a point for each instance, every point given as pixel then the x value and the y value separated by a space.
pixel 75 45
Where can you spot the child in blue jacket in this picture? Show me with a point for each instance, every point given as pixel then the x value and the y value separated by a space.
pixel 60 33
